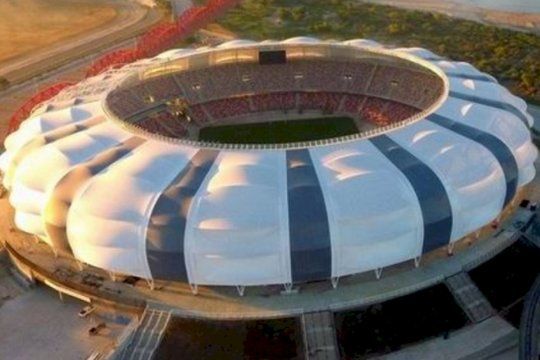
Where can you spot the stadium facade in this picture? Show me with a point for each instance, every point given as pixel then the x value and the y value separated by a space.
pixel 111 172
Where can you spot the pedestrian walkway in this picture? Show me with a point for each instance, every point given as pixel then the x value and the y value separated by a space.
pixel 469 297
pixel 147 336
pixel 320 335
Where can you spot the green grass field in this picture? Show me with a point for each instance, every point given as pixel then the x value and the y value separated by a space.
pixel 280 131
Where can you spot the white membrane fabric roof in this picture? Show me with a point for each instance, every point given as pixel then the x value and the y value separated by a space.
pixel 140 206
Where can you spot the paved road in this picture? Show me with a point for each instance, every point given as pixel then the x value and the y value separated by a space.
pixel 67 66
pixel 36 325
pixel 128 15
pixel 133 20
pixel 530 332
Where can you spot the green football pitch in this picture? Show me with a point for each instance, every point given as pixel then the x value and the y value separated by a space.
pixel 280 131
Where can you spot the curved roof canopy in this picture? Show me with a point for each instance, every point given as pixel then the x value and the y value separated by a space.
pixel 137 205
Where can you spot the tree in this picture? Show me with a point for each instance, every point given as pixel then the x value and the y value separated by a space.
pixel 4 83
pixel 298 13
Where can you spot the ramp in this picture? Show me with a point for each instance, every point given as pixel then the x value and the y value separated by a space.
pixel 320 336
pixel 469 297
pixel 147 336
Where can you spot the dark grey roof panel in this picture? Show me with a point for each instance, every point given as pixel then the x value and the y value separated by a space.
pixel 432 196
pixel 493 103
pixel 309 232
pixel 478 77
pixel 166 228
pixel 495 145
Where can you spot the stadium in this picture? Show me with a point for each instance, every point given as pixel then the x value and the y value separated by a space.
pixel 277 173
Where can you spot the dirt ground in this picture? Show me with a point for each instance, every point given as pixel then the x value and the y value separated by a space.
pixel 28 25
pixel 529 22
pixel 220 30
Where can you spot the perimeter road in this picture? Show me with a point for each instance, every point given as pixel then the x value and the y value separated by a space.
pixel 67 66
pixel 134 20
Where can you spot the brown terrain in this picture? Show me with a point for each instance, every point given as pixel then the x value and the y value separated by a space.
pixel 519 20
pixel 529 22
pixel 28 25
pixel 43 42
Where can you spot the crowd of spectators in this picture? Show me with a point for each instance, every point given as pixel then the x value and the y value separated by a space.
pixel 327 102
pixel 162 88
pixel 379 112
pixel 198 114
pixel 274 101
pixel 376 92
pixel 220 109
pixel 123 103
pixel 408 86
pixel 164 123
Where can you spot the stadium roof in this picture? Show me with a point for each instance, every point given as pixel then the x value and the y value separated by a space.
pixel 231 216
